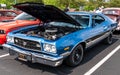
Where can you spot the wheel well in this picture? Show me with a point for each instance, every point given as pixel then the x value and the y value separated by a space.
pixel 83 45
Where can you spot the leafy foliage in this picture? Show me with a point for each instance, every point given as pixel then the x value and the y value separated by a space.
pixel 21 1
pixel 114 3
pixel 88 4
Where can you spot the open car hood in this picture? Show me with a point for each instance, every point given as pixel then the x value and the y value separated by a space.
pixel 46 13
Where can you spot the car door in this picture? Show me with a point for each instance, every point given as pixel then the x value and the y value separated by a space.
pixel 96 30
pixel 98 26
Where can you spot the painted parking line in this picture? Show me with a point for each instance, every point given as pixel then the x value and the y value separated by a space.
pixel 1 56
pixel 94 68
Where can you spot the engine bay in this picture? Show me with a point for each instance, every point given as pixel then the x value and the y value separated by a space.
pixel 48 32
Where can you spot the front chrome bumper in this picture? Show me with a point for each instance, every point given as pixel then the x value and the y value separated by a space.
pixel 35 57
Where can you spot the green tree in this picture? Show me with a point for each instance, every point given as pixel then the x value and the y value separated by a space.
pixel 7 2
pixel 114 3
pixel 63 3
pixel 88 5
pixel 21 1
pixel 94 4
pixel 72 3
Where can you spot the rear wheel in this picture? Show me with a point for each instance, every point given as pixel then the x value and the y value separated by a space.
pixel 76 56
pixel 109 39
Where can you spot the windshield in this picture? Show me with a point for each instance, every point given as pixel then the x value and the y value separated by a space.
pixel 24 16
pixel 82 19
pixel 8 13
pixel 63 24
pixel 110 12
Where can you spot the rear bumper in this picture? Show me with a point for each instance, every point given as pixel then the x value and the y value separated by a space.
pixel 35 57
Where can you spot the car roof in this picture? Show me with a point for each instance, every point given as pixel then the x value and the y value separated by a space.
pixel 82 12
pixel 113 8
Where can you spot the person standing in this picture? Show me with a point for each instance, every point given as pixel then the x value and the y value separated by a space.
pixel 67 8
pixel 100 9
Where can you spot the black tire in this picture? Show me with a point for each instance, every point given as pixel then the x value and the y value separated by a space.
pixel 75 57
pixel 109 39
pixel 12 52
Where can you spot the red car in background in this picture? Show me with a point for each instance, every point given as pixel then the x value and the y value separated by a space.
pixel 8 14
pixel 21 20
pixel 114 14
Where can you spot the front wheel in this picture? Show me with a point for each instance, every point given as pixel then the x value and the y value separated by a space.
pixel 76 56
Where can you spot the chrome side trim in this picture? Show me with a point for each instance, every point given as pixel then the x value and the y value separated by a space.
pixel 92 42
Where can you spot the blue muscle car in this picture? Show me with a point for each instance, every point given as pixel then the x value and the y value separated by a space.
pixel 61 36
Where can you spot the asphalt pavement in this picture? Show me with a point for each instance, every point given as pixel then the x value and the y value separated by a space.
pixel 9 65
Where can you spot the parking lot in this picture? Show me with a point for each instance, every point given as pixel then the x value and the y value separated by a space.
pixel 11 66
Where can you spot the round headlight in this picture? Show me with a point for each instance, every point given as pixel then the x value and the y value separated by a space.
pixel 49 48
pixel 53 49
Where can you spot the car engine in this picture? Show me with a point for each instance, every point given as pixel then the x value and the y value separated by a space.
pixel 48 32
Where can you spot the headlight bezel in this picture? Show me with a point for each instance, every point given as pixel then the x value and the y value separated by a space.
pixel 10 39
pixel 49 48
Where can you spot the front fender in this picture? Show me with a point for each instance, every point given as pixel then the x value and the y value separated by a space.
pixel 68 43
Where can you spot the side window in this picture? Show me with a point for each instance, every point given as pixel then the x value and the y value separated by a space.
pixel 97 19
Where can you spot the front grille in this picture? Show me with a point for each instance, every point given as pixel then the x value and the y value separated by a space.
pixel 2 32
pixel 28 44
